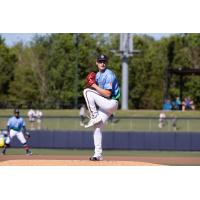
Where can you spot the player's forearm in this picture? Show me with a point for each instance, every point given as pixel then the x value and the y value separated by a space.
pixel 105 93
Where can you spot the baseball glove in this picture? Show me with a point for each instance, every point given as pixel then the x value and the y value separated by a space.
pixel 90 79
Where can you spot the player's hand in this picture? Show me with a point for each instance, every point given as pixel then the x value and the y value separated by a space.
pixel 91 79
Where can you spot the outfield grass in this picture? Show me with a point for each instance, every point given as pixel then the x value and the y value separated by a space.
pixel 76 152
pixel 60 120
pixel 120 113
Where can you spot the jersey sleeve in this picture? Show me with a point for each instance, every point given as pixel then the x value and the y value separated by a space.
pixel 108 83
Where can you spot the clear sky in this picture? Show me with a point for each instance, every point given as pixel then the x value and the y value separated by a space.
pixel 13 38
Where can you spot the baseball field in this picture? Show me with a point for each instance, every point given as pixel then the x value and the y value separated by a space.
pixel 61 157
pixel 78 157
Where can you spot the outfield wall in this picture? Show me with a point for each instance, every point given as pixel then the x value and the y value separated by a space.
pixel 115 140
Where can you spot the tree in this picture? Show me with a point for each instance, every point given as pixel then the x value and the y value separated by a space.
pixel 24 87
pixel 7 63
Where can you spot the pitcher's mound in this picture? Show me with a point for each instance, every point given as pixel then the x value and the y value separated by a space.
pixel 73 163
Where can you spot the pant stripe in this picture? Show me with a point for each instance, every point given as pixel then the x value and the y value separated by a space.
pixel 87 102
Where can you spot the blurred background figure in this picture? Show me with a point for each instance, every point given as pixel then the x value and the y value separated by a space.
pixel 176 104
pixel 31 115
pixel 174 123
pixel 38 115
pixel 82 114
pixel 188 104
pixel 167 105
pixel 162 120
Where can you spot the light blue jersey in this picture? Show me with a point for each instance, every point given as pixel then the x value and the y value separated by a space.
pixel 16 123
pixel 107 80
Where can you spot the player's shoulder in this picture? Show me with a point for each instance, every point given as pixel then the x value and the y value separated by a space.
pixel 109 71
pixel 11 118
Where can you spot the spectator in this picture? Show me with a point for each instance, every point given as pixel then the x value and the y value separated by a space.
pixel 82 115
pixel 188 104
pixel 177 104
pixel 38 115
pixel 162 120
pixel 167 105
pixel 174 121
pixel 31 115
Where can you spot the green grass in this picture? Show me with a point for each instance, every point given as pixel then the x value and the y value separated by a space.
pixel 131 124
pixel 120 113
pixel 76 152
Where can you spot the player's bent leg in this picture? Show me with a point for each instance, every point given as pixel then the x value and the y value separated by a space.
pixel 22 139
pixel 28 151
pixel 5 148
pixel 6 145
pixel 92 99
pixel 90 96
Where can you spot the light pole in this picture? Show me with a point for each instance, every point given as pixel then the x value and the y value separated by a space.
pixel 126 50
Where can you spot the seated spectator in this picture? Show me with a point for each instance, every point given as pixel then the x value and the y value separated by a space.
pixel 176 104
pixel 188 104
pixel 167 105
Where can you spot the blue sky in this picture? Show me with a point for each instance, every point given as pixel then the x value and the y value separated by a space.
pixel 13 38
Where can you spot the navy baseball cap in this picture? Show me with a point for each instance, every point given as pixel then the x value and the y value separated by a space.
pixel 102 57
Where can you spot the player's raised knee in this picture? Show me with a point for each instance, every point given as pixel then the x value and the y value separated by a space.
pixel 86 90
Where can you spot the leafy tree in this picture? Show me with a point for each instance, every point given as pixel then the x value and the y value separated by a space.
pixel 7 64
pixel 50 72
pixel 24 86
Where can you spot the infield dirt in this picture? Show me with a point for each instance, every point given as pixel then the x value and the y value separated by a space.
pixel 41 160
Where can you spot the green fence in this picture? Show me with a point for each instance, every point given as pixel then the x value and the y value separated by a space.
pixel 117 124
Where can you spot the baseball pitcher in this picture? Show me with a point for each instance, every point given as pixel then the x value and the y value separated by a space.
pixel 101 95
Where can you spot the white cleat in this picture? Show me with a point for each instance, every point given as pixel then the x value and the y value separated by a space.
pixel 93 121
pixel 96 158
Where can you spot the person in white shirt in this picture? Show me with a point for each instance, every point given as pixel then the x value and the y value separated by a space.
pixel 32 116
pixel 38 115
pixel 162 120
pixel 82 114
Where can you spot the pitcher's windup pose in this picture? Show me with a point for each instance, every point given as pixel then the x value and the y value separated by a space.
pixel 101 96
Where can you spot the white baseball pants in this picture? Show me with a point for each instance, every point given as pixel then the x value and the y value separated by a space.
pixel 13 133
pixel 99 105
